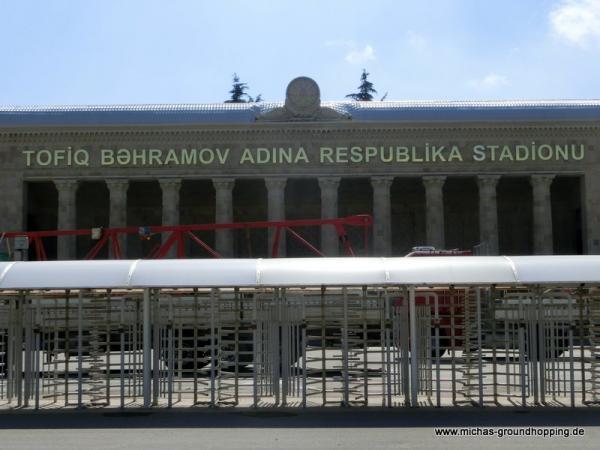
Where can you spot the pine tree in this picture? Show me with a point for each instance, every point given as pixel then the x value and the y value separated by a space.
pixel 239 94
pixel 238 91
pixel 365 90
pixel 255 100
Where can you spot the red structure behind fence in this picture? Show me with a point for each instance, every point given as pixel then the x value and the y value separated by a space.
pixel 176 236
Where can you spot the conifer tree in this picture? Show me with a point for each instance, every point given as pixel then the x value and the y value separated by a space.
pixel 365 90
pixel 239 94
pixel 255 100
pixel 238 91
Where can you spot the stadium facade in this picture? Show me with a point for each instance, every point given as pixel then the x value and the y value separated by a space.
pixel 512 177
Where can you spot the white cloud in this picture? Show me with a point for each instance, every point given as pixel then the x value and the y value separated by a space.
pixel 577 21
pixel 490 81
pixel 360 56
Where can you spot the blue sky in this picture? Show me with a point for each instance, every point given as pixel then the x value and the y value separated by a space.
pixel 130 51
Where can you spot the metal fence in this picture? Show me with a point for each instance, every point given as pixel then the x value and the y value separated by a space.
pixel 437 346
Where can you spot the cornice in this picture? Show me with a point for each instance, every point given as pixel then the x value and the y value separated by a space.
pixel 348 130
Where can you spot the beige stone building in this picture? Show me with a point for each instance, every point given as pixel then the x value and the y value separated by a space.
pixel 518 177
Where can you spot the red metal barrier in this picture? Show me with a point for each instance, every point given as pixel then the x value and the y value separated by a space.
pixel 177 234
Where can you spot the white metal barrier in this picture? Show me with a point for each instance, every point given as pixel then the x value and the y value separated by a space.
pixel 288 346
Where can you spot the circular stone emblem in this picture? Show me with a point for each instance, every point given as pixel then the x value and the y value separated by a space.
pixel 302 97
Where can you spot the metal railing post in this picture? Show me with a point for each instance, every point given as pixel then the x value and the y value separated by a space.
pixel 388 347
pixel 213 344
pixel 27 322
pixel 155 351
pixel 80 349
pixel 571 348
pixel 438 376
pixel 479 346
pixel 122 354
pixel 345 368
pixel 147 349
pixel 414 367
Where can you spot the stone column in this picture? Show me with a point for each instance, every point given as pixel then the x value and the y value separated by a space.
pixel 276 208
pixel 590 190
pixel 13 210
pixel 117 189
pixel 13 204
pixel 224 214
pixel 67 216
pixel 542 214
pixel 488 212
pixel 434 210
pixel 382 220
pixel 329 210
pixel 170 207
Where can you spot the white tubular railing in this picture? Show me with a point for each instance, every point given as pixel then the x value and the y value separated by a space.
pixel 286 346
